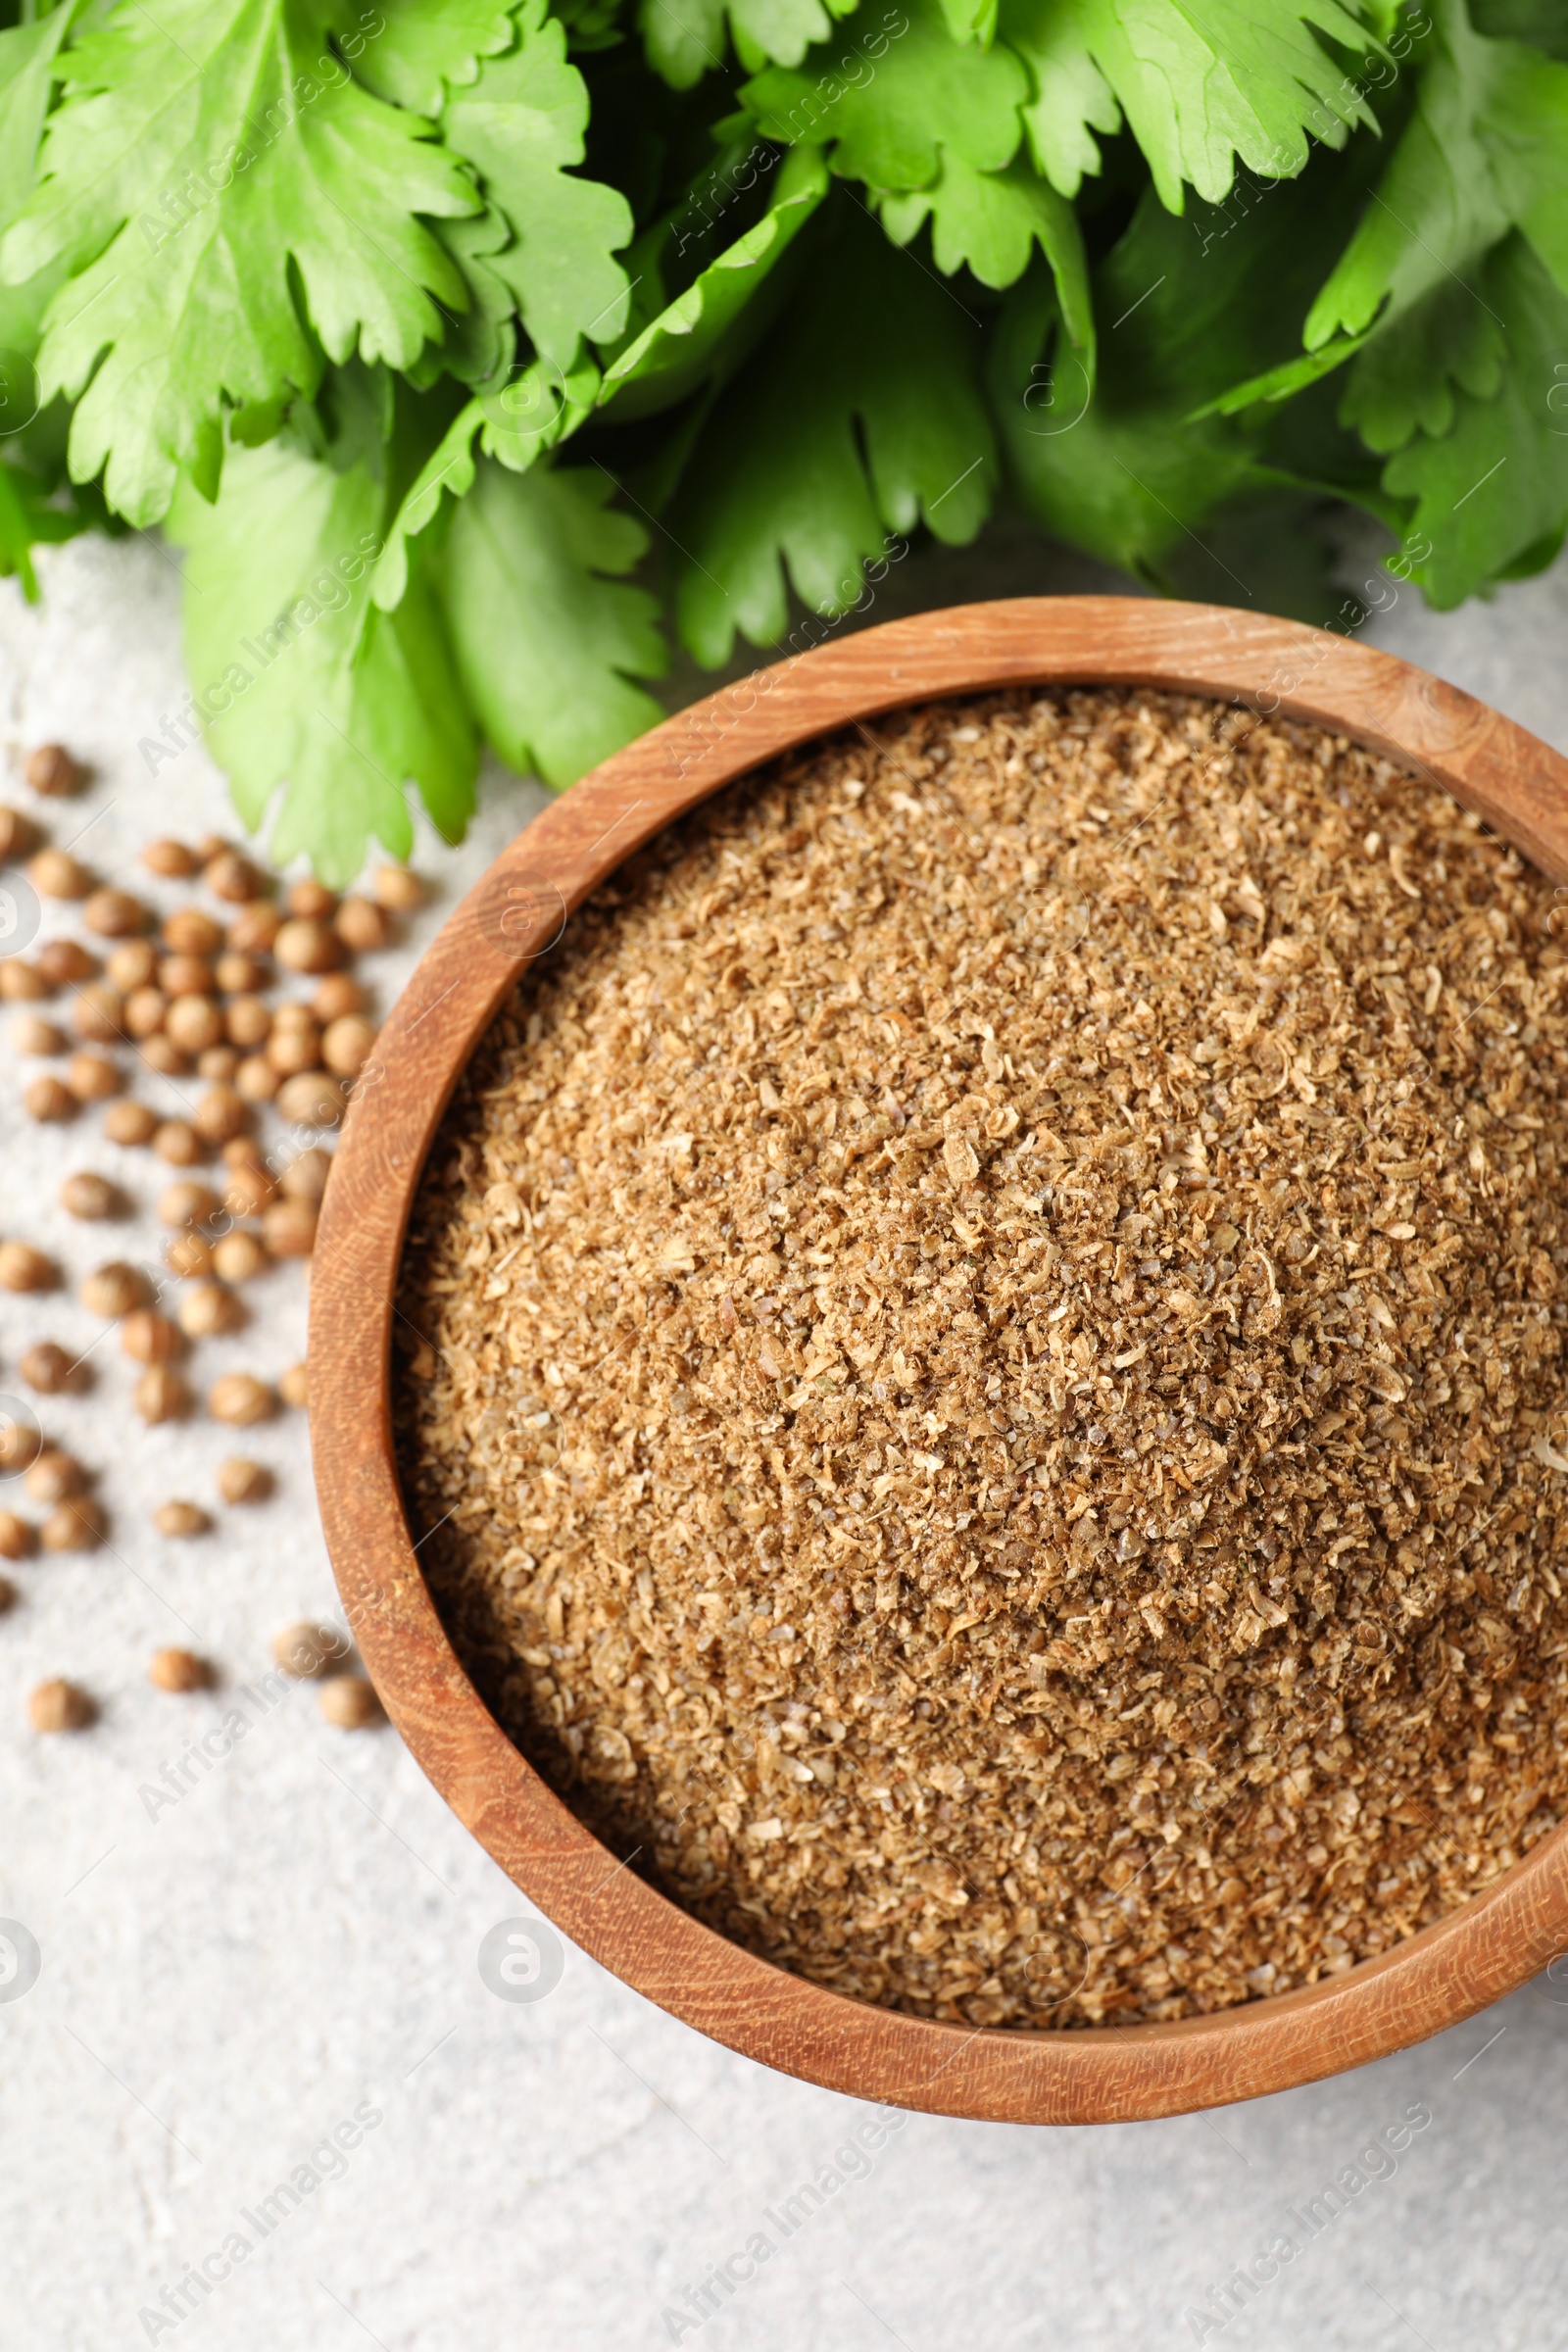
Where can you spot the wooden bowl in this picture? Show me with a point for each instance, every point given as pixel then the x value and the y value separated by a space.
pixel 1472 1956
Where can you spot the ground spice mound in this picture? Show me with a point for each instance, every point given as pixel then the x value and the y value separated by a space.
pixel 992 1379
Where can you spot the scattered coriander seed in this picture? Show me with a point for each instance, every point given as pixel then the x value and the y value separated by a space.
pixel 248 1022
pixel 36 1036
pixel 161 1054
pixel 304 946
pixel 9 1596
pixel 149 1337
pixel 113 914
pixel 91 1197
pixel 248 1191
pixel 179 1670
pixel 220 1115
pixel 238 975
pixel 295 1386
pixel 194 1024
pixel 189 1254
pixel 337 997
pixel 59 1707
pixel 186 975
pixel 170 858
pixel 398 889
pixel 20 1444
pixel 254 928
pixel 349 1702
pixel 346 1046
pixel 256 1080
pixel 113 1291
pixel 243 1152
pixel 189 932
pixel 49 1368
pixel 50 769
pixel 23 983
pixel 24 1268
pixel 305 1177
pixel 206 1310
pixel 50 1099
pixel 231 876
pixel 187 1204
pixel 18 835
pixel 217 1062
pixel 362 925
pixel 54 1474
pixel 311 1099
pixel 66 963
pixel 79 1524
pixel 241 1480
pixel 310 900
pixel 19 1537
pixel 98 1013
pixel 210 846
pixel 177 1141
pixel 241 1400
pixel 239 1257
pixel 145 1009
pixel 293 1014
pixel 293 1046
pixel 161 1394
pixel 133 964
pixel 306 1650
pixel 182 1519
pixel 56 874
pixel 129 1123
pixel 93 1077
pixel 289 1227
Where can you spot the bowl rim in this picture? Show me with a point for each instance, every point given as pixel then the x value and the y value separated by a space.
pixel 515 914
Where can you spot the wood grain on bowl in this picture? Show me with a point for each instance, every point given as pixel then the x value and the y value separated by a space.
pixel 517 912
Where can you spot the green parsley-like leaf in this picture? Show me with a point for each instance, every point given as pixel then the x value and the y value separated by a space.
pixel 520 124
pixel 1492 493
pixel 679 347
pixel 917 99
pixel 1543 24
pixel 991 221
pixel 548 637
pixel 859 414
pixel 28 66
pixel 426 48
pixel 307 689
pixel 195 163
pixel 1200 82
pixel 686 38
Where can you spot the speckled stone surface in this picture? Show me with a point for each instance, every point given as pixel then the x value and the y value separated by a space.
pixel 234 1982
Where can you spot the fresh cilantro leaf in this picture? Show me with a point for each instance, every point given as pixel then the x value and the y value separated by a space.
pixel 859 414
pixel 538 409
pixel 307 689
pixel 685 38
pixel 991 221
pixel 425 48
pixel 30 516
pixel 1405 379
pixel 1490 495
pixel 1543 24
pixel 684 342
pixel 915 99
pixel 28 66
pixel 1486 146
pixel 194 166
pixel 1200 82
pixel 520 124
pixel 547 642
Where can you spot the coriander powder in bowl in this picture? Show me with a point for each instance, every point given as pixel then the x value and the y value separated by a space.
pixel 982 1397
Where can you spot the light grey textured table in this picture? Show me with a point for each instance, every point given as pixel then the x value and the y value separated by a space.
pixel 227 1980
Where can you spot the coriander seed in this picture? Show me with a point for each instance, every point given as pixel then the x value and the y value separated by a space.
pixel 182 1520
pixel 161 1394
pixel 50 769
pixel 18 1538
pixel 241 1400
pixel 91 1197
pixel 130 1123
pixel 24 1268
pixel 50 1100
pixel 59 1707
pixel 113 1291
pixel 170 858
pixel 179 1670
pixel 349 1702
pixel 241 1480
